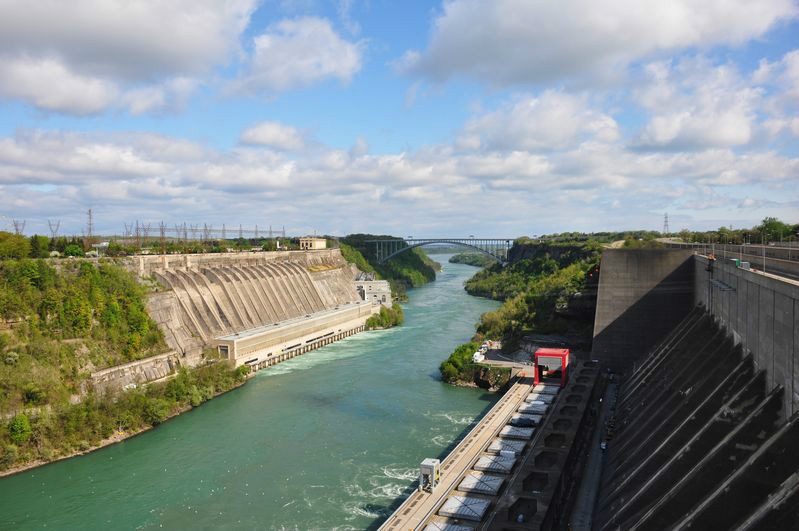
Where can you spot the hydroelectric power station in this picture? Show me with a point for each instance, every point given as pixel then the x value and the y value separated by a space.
pixel 256 309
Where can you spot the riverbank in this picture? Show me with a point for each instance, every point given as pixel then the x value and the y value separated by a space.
pixel 328 440
pixel 66 429
pixel 116 438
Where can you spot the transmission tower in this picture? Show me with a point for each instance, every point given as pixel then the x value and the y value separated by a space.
pixel 89 230
pixel 207 232
pixel 162 230
pixel 54 226
pixel 19 225
pixel 256 232
pixel 146 230
pixel 666 223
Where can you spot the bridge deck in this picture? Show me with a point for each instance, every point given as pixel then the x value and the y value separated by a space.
pixel 419 506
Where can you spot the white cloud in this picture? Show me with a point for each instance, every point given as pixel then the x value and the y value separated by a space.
pixel 273 134
pixel 49 85
pixel 518 41
pixel 553 120
pixel 145 176
pixel 85 56
pixel 118 39
pixel 695 105
pixel 298 53
pixel 171 95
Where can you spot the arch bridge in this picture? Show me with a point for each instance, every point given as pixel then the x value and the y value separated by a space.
pixel 388 248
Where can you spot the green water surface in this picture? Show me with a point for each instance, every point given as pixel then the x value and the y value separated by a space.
pixel 328 440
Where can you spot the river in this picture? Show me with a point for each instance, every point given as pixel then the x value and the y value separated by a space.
pixel 329 440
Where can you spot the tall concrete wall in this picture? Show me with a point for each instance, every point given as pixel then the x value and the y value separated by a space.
pixel 643 294
pixel 216 295
pixel 762 314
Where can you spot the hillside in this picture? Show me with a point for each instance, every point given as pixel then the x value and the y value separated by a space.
pixel 410 269
pixel 547 288
pixel 473 259
pixel 61 321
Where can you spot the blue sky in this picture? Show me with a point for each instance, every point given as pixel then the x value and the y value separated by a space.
pixel 499 118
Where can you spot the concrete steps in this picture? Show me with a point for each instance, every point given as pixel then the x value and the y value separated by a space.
pixel 232 297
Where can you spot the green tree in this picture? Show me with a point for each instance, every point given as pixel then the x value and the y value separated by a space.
pixel 19 429
pixel 156 411
pixel 73 249
pixel 773 229
pixel 14 246
pixel 40 246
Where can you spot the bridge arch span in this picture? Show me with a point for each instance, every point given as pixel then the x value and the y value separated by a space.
pixel 496 248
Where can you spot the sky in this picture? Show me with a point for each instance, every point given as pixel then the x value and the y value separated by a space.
pixel 496 118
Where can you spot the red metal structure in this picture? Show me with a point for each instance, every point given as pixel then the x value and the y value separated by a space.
pixel 561 354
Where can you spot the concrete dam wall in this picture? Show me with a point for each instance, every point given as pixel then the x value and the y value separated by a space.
pixel 707 422
pixel 208 297
pixel 643 294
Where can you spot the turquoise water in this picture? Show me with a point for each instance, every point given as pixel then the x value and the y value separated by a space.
pixel 328 440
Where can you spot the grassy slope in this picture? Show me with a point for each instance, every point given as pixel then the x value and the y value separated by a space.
pixel 66 323
pixel 61 324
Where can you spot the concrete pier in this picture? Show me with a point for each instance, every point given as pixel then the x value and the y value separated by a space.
pixel 500 471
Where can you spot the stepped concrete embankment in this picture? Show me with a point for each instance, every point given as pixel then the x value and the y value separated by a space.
pixel 290 301
pixel 705 431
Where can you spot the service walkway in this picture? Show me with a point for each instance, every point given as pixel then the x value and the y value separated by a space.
pixel 419 506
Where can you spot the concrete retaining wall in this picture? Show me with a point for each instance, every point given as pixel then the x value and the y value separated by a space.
pixel 762 313
pixel 643 294
pixel 136 372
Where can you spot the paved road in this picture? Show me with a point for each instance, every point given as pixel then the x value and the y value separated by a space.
pixel 582 516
